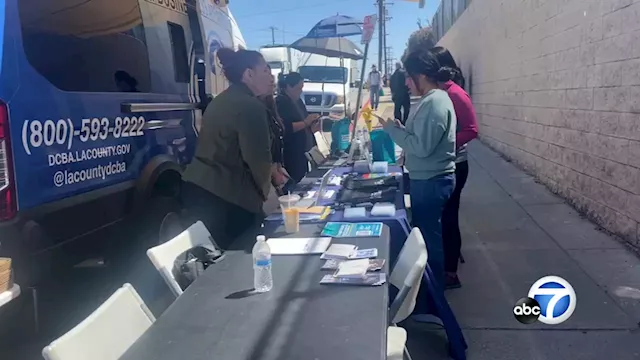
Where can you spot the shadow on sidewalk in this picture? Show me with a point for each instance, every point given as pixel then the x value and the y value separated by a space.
pixel 514 232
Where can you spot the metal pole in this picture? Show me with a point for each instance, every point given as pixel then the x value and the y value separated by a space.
pixel 359 99
pixel 380 32
pixel 273 34
pixel 384 38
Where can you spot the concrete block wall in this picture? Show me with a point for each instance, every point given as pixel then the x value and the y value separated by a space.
pixel 556 85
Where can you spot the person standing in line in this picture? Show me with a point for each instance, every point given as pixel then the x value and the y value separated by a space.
pixel 299 126
pixel 400 94
pixel 466 131
pixel 279 175
pixel 374 87
pixel 229 178
pixel 428 142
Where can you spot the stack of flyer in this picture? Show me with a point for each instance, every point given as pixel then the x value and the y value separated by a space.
pixel 348 252
pixel 352 266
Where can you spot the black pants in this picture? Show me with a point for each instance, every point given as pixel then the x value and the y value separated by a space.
pixel 401 109
pixel 451 238
pixel 224 220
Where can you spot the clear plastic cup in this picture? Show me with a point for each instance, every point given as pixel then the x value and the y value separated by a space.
pixel 290 213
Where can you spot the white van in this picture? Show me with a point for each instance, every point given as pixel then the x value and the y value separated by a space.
pixel 326 82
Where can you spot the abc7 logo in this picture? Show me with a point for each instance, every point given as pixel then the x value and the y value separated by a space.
pixel 551 300
pixel 527 310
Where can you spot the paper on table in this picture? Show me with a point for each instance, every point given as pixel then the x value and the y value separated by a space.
pixel 374 264
pixel 339 251
pixel 364 254
pixel 335 180
pixel 371 279
pixel 328 194
pixel 352 268
pixel 312 210
pixel 298 246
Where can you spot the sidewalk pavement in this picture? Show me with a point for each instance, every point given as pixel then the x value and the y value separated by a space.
pixel 514 231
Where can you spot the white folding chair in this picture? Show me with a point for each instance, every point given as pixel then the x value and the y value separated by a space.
pixel 406 276
pixel 108 332
pixel 164 255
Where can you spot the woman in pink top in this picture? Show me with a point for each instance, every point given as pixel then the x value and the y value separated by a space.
pixel 467 130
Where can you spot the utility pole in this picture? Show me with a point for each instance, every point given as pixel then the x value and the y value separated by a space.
pixel 381 16
pixel 273 34
pixel 389 61
pixel 386 19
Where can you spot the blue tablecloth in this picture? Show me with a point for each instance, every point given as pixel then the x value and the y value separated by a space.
pixel 398 224
pixel 431 299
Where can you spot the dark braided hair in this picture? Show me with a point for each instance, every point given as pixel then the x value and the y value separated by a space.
pixel 446 61
pixel 234 63
pixel 424 62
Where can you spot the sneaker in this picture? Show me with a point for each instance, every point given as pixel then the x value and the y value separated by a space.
pixel 452 282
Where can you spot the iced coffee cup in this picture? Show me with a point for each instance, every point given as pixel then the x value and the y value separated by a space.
pixel 290 213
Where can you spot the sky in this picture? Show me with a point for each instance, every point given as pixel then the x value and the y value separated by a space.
pixel 294 18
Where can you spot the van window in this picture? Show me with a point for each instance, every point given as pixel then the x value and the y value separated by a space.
pixel 179 48
pixel 324 74
pixel 88 46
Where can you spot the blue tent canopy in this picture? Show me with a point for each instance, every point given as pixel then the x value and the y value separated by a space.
pixel 336 26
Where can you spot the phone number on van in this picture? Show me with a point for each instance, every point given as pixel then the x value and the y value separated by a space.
pixel 36 133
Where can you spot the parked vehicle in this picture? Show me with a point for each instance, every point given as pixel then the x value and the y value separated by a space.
pixel 330 85
pixel 281 58
pixel 99 113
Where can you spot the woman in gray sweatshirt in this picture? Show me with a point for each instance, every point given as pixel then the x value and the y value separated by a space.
pixel 429 145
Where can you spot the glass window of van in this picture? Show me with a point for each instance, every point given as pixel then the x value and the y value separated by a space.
pixel 86 46
pixel 324 74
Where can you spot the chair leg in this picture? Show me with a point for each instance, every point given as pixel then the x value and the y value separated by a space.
pixel 407 356
pixel 36 315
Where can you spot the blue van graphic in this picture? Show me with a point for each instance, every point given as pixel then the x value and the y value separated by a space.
pixel 95 120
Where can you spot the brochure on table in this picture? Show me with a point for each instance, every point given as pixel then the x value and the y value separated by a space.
pixel 342 229
pixel 370 279
pixel 298 246
pixel 333 264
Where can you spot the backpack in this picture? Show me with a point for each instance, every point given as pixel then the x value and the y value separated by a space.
pixel 189 265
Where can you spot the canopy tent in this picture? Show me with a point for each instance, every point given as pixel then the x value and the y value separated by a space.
pixel 330 47
pixel 335 26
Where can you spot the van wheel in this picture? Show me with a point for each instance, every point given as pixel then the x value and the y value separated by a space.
pixel 154 220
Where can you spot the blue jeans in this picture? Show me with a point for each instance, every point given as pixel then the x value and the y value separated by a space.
pixel 374 96
pixel 428 198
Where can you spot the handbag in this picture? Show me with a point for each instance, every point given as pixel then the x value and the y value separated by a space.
pixel 383 147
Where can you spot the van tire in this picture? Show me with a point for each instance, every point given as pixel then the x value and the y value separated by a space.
pixel 159 212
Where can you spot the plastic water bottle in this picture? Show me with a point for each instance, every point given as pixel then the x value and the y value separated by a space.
pixel 262 278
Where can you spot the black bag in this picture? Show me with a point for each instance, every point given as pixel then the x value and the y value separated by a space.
pixel 370 184
pixel 355 197
pixel 192 263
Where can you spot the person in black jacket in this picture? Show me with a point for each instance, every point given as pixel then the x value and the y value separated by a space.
pixel 299 125
pixel 400 94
